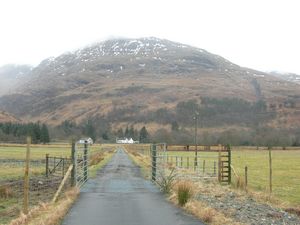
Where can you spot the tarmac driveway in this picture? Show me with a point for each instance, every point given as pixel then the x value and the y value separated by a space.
pixel 119 195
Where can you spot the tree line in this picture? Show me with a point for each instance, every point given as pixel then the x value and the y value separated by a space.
pixel 17 132
pixel 141 135
pixel 100 130
pixel 213 112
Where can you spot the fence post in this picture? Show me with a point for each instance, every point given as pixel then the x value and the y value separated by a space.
pixel 73 158
pixel 215 171
pixel 229 163
pixel 153 150
pixel 54 164
pixel 26 177
pixel 63 167
pixel 85 161
pixel 47 165
pixel 219 166
pixel 203 166
pixel 246 178
pixel 270 175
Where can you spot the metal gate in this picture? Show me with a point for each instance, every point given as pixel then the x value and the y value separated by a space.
pixel 80 158
pixel 211 162
pixel 158 161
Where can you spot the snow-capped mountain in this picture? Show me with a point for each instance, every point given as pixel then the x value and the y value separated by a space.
pixel 113 57
pixel 292 77
pixel 136 76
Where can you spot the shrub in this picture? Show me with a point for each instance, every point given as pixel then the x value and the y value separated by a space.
pixel 166 182
pixel 184 192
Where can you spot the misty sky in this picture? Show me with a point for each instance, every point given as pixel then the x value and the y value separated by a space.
pixel 260 34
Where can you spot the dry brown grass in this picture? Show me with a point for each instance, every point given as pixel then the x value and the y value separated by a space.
pixel 295 211
pixel 200 209
pixel 141 160
pixel 96 158
pixel 5 192
pixel 46 213
pixel 208 214
pixel 240 183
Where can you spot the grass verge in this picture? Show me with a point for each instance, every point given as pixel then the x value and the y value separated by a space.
pixel 52 214
pixel 47 213
pixel 195 207
pixel 140 160
pixel 99 160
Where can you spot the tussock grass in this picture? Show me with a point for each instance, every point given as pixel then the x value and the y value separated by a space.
pixel 47 213
pixel 185 191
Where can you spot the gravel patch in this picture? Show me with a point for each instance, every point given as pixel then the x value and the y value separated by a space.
pixel 247 210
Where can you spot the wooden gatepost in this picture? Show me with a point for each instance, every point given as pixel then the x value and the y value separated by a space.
pixel 224 173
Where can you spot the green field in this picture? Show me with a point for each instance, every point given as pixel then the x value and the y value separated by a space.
pixel 10 207
pixel 37 152
pixel 286 171
pixel 285 163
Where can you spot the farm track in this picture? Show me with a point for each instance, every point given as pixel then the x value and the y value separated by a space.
pixel 119 195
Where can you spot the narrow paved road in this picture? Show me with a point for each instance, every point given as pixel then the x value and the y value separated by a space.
pixel 120 196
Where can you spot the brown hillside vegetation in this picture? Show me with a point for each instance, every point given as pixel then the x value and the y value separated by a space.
pixel 122 80
pixel 6 117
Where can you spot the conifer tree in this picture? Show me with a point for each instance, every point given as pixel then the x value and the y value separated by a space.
pixel 45 134
pixel 143 135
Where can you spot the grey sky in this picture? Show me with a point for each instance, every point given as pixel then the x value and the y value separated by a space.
pixel 260 34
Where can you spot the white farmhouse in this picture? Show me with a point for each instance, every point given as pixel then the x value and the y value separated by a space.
pixel 126 141
pixel 87 140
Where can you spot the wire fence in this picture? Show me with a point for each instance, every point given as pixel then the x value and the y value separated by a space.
pixel 46 176
pixel 252 171
pixel 250 167
pixel 57 166
pixel 41 188
pixel 21 163
pixel 161 161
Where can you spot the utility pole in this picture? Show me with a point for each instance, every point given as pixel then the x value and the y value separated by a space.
pixel 196 128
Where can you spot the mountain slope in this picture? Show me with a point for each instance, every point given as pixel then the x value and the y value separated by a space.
pixel 292 77
pixel 123 79
pixel 11 76
pixel 6 117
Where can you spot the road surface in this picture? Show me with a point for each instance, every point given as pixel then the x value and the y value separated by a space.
pixel 120 196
